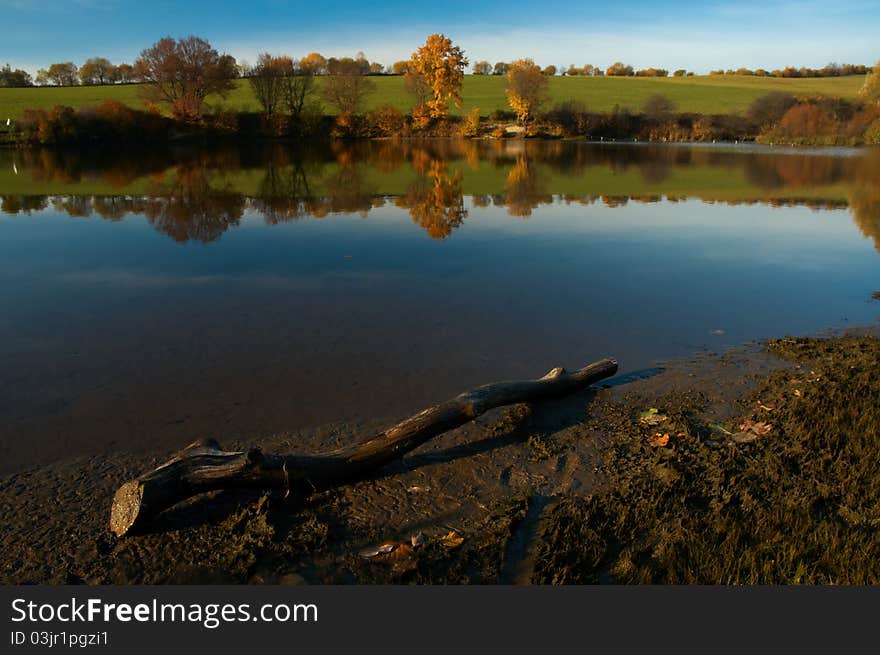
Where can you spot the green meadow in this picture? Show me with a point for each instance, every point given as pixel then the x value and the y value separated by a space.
pixel 699 94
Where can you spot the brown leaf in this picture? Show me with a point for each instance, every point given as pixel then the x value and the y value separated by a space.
pixel 659 440
pixel 452 540
pixel 381 549
pixel 758 428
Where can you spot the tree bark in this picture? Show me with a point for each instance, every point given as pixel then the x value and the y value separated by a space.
pixel 204 466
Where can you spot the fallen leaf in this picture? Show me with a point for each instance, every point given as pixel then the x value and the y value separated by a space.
pixel 759 428
pixel 382 549
pixel 659 439
pixel 717 427
pixel 652 416
pixel 751 430
pixel 797 392
pixel 743 437
pixel 418 539
pixel 452 540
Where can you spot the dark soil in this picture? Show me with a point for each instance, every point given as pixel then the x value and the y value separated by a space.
pixel 570 491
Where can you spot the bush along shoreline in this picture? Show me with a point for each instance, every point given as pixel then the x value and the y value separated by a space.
pixel 776 119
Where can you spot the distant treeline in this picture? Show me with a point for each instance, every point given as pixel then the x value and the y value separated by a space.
pixel 101 71
pixel 182 73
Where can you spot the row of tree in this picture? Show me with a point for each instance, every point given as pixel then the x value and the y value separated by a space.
pixel 100 71
pixel 95 71
pixel 830 70
pixel 619 69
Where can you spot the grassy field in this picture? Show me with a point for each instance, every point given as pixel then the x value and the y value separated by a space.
pixel 702 94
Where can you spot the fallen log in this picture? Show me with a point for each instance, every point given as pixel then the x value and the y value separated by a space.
pixel 204 465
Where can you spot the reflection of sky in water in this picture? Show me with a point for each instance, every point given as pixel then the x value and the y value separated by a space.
pixel 643 281
pixel 114 326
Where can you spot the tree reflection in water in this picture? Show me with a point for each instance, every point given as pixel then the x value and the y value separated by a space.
pixel 435 200
pixel 196 195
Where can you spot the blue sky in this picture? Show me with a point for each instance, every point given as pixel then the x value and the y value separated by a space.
pixel 672 34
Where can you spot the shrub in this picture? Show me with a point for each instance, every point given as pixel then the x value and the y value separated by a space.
pixel 872 134
pixel 806 121
pixel 470 125
pixel 572 116
pixel 421 116
pixel 769 109
pixel 386 120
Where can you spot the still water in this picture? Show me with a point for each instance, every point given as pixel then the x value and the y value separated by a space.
pixel 147 298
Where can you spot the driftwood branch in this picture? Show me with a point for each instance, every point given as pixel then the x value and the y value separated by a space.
pixel 204 466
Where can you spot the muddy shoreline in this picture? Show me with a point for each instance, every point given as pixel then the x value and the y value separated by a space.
pixel 490 482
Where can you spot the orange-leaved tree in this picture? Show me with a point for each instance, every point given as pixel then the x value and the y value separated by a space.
pixel 871 89
pixel 526 88
pixel 438 66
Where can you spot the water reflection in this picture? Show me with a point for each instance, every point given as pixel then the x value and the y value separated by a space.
pixel 435 200
pixel 196 195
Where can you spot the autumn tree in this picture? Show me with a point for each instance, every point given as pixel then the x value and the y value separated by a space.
pixel 550 70
pixel 482 68
pixel 440 66
pixel 399 67
pixel 315 62
pixel 871 89
pixel 266 79
pixel 618 69
pixel 60 74
pixel 14 78
pixel 500 68
pixel 97 70
pixel 347 90
pixel 124 74
pixel 526 88
pixel 769 109
pixel 184 72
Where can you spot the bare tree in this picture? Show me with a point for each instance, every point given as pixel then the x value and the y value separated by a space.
pixel 267 79
pixel 299 85
pixel 348 89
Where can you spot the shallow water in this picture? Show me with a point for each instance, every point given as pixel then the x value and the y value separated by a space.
pixel 150 298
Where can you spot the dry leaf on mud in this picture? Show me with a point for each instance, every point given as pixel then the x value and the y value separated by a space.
pixel 652 417
pixel 382 549
pixel 418 539
pixel 396 554
pixel 659 439
pixel 758 427
pixel 797 392
pixel 452 540
pixel 751 430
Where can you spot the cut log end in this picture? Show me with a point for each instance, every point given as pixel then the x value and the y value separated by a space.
pixel 127 506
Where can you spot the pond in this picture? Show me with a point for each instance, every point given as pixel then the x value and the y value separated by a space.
pixel 149 298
